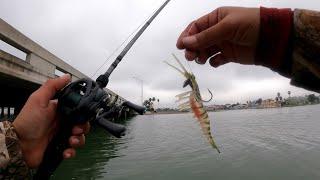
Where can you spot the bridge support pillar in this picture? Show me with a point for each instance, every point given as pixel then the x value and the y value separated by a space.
pixel 39 63
pixel 2 112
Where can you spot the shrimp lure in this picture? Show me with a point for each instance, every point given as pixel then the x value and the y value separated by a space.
pixel 195 102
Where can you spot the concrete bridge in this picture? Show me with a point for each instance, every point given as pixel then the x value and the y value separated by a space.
pixel 20 77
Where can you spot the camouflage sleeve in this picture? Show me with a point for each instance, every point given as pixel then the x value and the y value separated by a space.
pixel 12 165
pixel 305 69
pixel 289 43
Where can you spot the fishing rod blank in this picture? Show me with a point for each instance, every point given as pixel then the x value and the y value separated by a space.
pixel 103 79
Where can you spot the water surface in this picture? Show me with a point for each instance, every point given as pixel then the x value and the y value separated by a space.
pixel 256 144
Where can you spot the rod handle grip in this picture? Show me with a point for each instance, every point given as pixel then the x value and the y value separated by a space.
pixel 116 130
pixel 139 109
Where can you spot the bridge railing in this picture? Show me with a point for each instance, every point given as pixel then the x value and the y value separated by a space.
pixel 41 60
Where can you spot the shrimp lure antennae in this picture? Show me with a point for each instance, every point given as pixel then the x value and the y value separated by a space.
pixel 195 102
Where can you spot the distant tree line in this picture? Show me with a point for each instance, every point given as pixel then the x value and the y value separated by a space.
pixel 149 104
pixel 298 100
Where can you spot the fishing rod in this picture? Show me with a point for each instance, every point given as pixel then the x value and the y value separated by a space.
pixel 103 79
pixel 86 100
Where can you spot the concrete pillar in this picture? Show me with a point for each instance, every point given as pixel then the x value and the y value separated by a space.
pixel 2 112
pixel 42 65
pixel 9 113
pixel 17 110
pixel 74 78
pixel 5 112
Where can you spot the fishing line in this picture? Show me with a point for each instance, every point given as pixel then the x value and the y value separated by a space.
pixel 114 52
pixel 188 63
pixel 118 48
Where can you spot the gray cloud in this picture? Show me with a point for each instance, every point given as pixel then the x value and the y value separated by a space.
pixel 84 33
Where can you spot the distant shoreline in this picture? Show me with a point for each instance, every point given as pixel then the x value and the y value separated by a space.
pixel 166 112
pixel 179 112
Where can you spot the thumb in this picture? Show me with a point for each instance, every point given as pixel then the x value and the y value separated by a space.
pixel 47 91
pixel 211 36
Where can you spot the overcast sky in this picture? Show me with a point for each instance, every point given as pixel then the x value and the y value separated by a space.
pixel 84 33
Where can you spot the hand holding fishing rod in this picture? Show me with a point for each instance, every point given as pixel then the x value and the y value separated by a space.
pixel 37 123
pixel 86 100
pixel 79 102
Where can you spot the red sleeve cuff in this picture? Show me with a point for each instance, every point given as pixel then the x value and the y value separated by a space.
pixel 274 46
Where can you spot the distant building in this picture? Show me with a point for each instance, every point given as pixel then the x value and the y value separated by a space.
pixel 254 104
pixel 239 106
pixel 270 103
pixel 215 107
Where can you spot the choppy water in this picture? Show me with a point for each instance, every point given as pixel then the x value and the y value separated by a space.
pixel 256 144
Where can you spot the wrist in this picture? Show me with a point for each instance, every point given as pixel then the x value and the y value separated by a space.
pixel 14 155
pixel 274 45
pixel 18 129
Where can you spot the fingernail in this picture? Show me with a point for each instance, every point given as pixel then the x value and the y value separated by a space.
pixel 198 61
pixel 77 130
pixel 76 140
pixel 211 62
pixel 190 55
pixel 65 76
pixel 189 40
pixel 214 63
pixel 191 27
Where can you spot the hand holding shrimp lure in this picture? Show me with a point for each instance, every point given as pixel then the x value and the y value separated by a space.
pixel 195 102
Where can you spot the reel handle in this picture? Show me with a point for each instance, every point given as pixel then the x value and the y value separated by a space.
pixel 139 109
pixel 114 129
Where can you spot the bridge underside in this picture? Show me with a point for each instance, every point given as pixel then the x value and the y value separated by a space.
pixel 13 94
